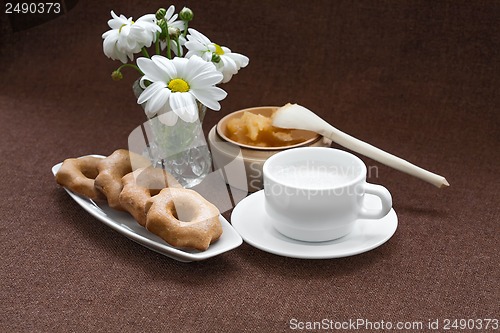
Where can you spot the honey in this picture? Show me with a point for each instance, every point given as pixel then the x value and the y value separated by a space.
pixel 257 130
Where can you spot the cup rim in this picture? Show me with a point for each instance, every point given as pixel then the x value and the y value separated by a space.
pixel 267 164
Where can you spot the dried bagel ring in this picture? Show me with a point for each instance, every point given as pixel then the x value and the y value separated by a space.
pixel 183 218
pixel 139 186
pixel 78 174
pixel 112 169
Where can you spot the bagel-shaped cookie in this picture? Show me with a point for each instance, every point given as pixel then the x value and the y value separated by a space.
pixel 183 218
pixel 139 186
pixel 78 174
pixel 112 169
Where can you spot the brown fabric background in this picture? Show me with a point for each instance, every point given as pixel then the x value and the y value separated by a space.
pixel 417 78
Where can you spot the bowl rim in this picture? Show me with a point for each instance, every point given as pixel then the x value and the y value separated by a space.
pixel 220 133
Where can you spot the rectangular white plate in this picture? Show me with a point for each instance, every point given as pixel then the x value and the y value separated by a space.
pixel 127 226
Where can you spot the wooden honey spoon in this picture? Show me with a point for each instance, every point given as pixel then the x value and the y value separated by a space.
pixel 294 116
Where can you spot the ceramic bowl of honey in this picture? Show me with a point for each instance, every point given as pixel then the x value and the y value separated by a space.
pixel 243 140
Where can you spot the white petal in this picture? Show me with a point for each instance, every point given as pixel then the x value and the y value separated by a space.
pixel 180 66
pixel 150 91
pixel 110 32
pixel 198 36
pixel 166 65
pixel 121 56
pixel 230 65
pixel 217 93
pixel 148 113
pixel 182 39
pixel 194 67
pixel 168 118
pixel 240 59
pixel 150 70
pixel 207 81
pixel 209 97
pixel 195 46
pixel 108 45
pixel 190 54
pixel 117 21
pixel 227 77
pixel 212 48
pixel 173 47
pixel 158 100
pixel 147 17
pixel 177 24
pixel 184 105
pixel 170 12
pixel 172 19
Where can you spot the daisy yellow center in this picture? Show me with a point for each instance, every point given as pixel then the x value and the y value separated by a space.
pixel 218 49
pixel 178 85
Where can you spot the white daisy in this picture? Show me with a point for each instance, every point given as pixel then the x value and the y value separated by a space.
pixel 176 85
pixel 127 37
pixel 228 63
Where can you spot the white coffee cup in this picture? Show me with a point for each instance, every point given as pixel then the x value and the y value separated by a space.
pixel 316 194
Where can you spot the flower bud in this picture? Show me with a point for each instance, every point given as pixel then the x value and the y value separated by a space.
pixel 163 25
pixel 215 58
pixel 174 33
pixel 160 13
pixel 116 75
pixel 186 14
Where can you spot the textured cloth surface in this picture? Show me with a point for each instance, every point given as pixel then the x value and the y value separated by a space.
pixel 418 79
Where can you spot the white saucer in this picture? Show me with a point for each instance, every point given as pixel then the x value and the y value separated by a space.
pixel 254 225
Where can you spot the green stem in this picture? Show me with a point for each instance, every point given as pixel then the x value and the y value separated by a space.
pixel 131 66
pixel 186 23
pixel 157 43
pixel 178 47
pixel 169 54
pixel 145 52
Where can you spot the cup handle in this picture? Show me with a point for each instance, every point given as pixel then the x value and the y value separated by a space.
pixel 384 196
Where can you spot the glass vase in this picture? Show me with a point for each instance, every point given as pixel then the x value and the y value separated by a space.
pixel 181 148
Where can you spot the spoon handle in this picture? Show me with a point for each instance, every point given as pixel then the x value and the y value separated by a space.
pixel 381 156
